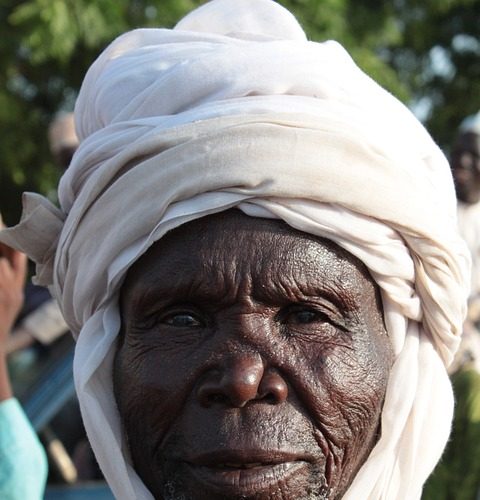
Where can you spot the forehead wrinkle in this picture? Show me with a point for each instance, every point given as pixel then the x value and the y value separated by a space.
pixel 309 268
pixel 263 258
pixel 216 275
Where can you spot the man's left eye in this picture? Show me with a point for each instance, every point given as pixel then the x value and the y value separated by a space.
pixel 303 317
pixel 180 320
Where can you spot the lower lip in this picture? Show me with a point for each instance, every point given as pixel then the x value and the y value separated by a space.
pixel 247 481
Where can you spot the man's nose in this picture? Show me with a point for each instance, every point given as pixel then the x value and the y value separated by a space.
pixel 242 380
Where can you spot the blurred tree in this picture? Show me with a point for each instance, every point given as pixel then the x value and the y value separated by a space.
pixel 439 60
pixel 45 49
pixel 425 52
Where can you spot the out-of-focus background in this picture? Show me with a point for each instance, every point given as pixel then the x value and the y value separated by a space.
pixel 426 52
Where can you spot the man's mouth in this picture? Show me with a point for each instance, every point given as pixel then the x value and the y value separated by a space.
pixel 246 472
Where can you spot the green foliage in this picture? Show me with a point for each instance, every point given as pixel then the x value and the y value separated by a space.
pixel 54 28
pixel 423 51
pixel 457 476
pixel 439 60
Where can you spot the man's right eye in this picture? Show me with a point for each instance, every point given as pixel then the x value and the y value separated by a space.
pixel 182 320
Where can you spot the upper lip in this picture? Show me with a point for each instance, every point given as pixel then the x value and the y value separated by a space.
pixel 242 458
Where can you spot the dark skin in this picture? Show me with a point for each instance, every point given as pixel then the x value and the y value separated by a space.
pixel 465 164
pixel 252 363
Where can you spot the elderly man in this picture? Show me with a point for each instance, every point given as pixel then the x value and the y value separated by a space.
pixel 257 251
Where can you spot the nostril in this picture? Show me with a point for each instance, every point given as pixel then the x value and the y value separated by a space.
pixel 273 388
pixel 217 399
pixel 209 394
pixel 270 399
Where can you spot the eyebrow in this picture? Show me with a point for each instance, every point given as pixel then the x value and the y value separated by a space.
pixel 214 288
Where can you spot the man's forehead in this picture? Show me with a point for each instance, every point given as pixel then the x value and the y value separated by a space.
pixel 222 253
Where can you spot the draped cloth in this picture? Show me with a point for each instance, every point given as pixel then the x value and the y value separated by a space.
pixel 234 107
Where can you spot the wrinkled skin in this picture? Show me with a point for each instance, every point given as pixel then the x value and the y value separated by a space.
pixel 252 363
pixel 465 164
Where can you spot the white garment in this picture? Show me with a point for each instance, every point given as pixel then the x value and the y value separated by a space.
pixel 235 108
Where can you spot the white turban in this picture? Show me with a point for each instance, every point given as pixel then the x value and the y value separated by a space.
pixel 235 108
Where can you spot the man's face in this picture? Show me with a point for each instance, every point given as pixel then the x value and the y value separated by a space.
pixel 465 164
pixel 252 364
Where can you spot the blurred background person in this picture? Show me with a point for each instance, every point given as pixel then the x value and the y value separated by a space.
pixel 40 319
pixel 23 464
pixel 465 164
pixel 62 139
pixel 39 348
pixel 457 477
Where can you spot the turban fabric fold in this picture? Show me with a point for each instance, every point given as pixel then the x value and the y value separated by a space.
pixel 234 107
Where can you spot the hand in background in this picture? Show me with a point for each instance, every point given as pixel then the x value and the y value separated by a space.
pixel 13 268
pixel 13 265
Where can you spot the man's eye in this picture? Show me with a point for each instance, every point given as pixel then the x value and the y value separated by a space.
pixel 180 320
pixel 304 317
